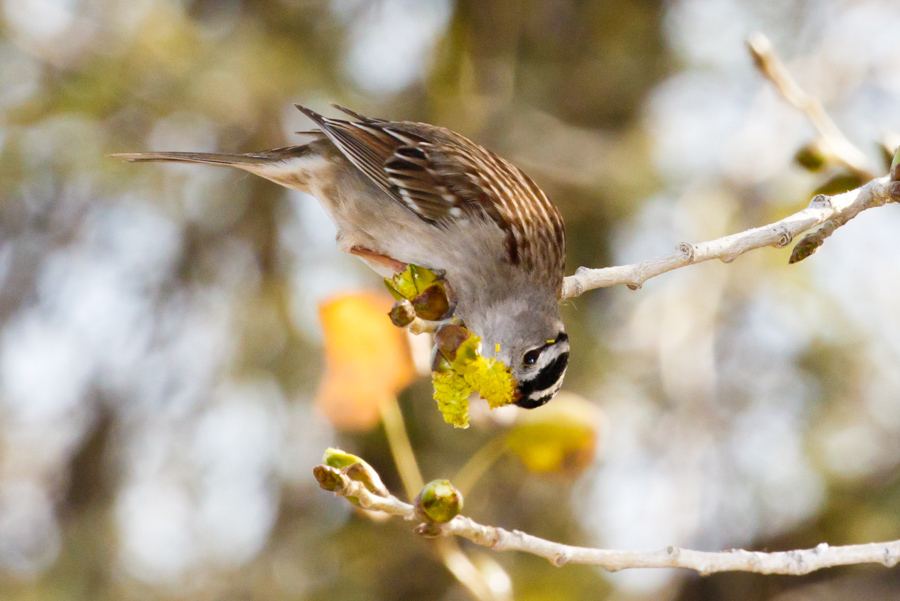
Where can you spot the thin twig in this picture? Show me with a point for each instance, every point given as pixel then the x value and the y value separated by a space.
pixel 401 448
pixel 782 562
pixel 829 212
pixel 834 142
pixel 479 463
pixel 779 234
pixel 455 560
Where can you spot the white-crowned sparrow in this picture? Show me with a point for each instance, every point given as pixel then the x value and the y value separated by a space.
pixel 411 193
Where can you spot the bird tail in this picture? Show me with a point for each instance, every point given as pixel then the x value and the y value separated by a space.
pixel 208 158
pixel 293 166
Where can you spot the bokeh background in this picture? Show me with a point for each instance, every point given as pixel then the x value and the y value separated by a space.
pixel 160 341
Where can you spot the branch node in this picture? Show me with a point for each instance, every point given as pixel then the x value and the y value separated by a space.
pixel 784 236
pixel 820 547
pixel 894 191
pixel 796 565
pixel 577 285
pixel 428 530
pixel 687 251
pixel 821 201
pixel 672 551
pixel 634 286
pixel 561 558
pixel 891 557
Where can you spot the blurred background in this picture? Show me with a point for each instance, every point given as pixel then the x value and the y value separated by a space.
pixel 161 346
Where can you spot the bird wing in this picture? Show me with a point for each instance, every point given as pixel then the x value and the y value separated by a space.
pixel 442 177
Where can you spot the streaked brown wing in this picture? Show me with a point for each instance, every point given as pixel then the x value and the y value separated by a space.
pixel 442 176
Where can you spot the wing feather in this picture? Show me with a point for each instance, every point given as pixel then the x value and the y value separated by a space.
pixel 443 177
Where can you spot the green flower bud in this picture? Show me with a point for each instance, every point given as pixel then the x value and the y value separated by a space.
pixel 439 502
pixel 402 285
pixel 339 459
pixel 356 469
pixel 432 304
pixel 810 157
pixel 804 249
pixel 422 277
pixel 449 339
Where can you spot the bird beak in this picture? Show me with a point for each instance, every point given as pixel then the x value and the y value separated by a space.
pixel 517 395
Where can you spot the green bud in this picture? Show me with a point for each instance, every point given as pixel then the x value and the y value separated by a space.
pixel 356 469
pixel 439 502
pixel 804 249
pixel 449 339
pixel 338 458
pixel 402 285
pixel 810 157
pixel 432 304
pixel 422 277
pixel 363 472
pixel 389 285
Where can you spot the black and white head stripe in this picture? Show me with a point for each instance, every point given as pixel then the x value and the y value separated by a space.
pixel 548 377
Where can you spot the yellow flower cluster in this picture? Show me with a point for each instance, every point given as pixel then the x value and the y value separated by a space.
pixel 493 381
pixel 471 373
pixel 452 395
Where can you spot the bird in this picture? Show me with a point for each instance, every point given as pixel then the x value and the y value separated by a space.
pixel 402 192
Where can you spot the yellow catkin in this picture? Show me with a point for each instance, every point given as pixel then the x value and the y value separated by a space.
pixel 492 381
pixel 451 391
pixel 471 373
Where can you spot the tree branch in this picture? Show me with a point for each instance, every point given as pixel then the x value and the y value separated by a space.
pixel 783 562
pixel 831 212
pixel 839 209
pixel 834 143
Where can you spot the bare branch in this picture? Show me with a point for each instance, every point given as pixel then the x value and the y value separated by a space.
pixel 829 212
pixel 835 144
pixel 838 209
pixel 783 562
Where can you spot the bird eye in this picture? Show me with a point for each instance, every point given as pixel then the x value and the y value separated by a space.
pixel 531 357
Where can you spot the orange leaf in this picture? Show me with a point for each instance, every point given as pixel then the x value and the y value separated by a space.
pixel 367 359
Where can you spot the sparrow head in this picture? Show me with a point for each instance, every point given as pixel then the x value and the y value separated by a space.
pixel 535 347
pixel 539 370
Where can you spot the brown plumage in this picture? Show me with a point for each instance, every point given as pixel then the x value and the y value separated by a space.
pixel 441 175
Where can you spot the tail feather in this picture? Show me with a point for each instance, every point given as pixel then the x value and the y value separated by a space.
pixel 210 158
pixel 291 166
pixel 219 158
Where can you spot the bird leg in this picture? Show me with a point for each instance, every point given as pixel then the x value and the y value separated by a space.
pixel 370 256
